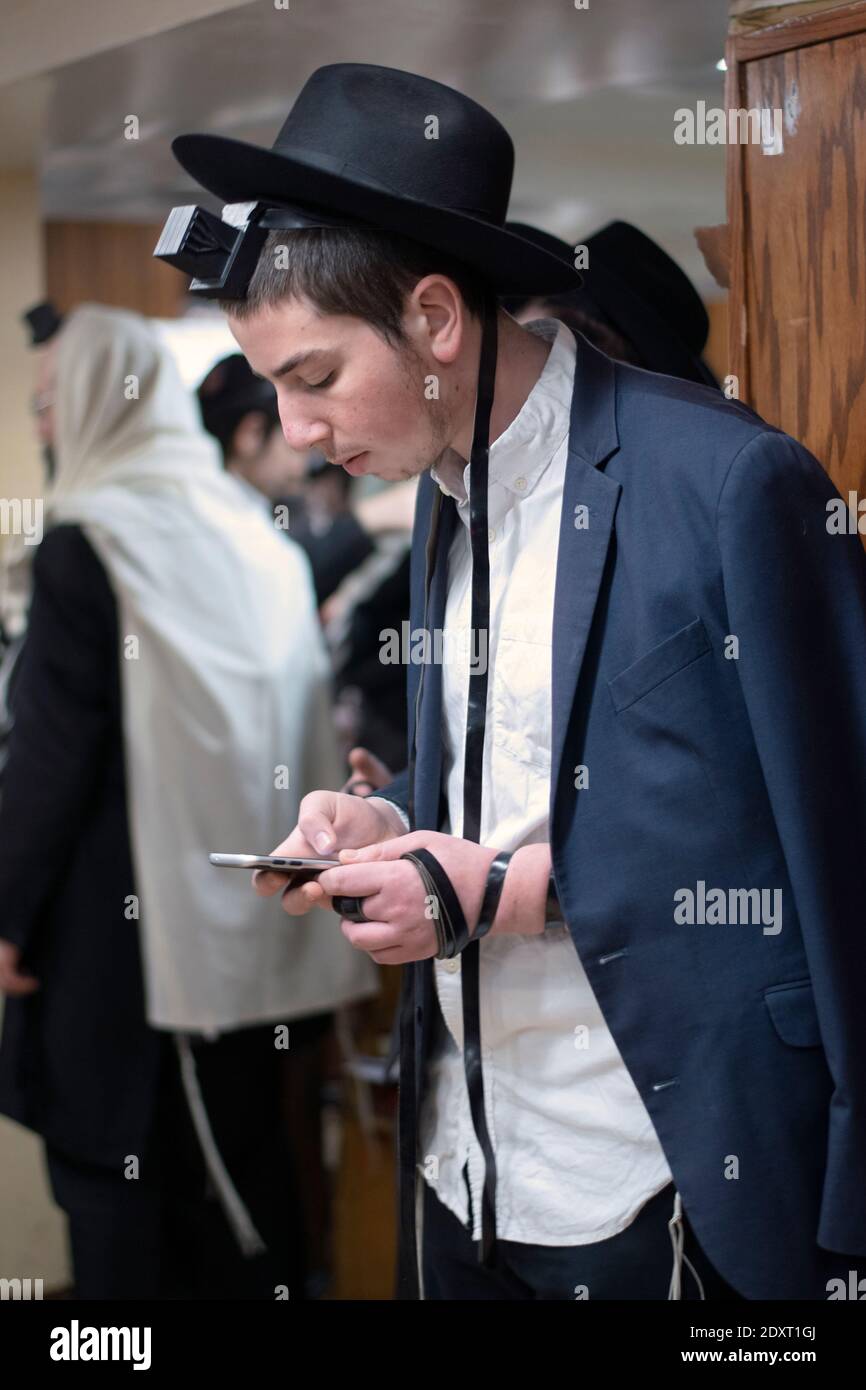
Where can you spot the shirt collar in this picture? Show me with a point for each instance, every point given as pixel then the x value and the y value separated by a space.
pixel 519 456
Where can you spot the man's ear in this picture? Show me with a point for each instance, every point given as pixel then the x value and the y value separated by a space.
pixel 437 310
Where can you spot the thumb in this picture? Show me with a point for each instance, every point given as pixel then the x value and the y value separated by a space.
pixel 359 758
pixel 317 827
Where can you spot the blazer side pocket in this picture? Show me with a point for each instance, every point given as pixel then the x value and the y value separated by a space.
pixel 658 665
pixel 795 1017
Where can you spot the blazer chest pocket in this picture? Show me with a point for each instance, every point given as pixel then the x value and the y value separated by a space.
pixel 795 1017
pixel 658 665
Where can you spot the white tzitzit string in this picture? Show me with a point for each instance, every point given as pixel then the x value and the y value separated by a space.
pixel 238 1217
pixel 677 1234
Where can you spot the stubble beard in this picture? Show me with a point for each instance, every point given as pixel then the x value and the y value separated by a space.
pixel 438 444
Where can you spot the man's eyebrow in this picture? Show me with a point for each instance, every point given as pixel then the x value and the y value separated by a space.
pixel 292 362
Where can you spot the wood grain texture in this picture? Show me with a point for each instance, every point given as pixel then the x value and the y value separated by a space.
pixel 110 263
pixel 778 33
pixel 798 292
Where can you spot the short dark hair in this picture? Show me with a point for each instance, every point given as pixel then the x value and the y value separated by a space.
pixel 347 270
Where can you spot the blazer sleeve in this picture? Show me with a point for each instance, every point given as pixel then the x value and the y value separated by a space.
pixel 796 599
pixel 64 711
pixel 397 792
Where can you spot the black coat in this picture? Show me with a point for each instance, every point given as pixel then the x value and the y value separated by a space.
pixel 78 1063
pixel 333 554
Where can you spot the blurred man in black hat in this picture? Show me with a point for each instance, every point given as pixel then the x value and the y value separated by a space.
pixel 312 502
pixel 658 645
pixel 635 302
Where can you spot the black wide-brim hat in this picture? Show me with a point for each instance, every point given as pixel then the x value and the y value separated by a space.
pixel 640 291
pixel 392 150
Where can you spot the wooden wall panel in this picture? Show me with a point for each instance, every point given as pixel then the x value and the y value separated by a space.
pixel 110 263
pixel 716 353
pixel 798 272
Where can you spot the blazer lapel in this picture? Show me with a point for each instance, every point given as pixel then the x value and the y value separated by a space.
pixel 589 502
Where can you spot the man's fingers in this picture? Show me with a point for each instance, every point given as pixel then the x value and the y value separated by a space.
pixel 296 901
pixel 373 936
pixel 266 884
pixel 351 880
pixel 381 944
pixel 13 983
pixel 385 850
pixel 365 764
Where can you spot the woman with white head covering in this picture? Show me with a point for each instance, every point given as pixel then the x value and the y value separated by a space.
pixel 173 698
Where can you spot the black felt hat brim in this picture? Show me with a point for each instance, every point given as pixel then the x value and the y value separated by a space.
pixel 238 172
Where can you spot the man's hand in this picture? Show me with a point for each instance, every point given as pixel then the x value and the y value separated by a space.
pixel 368 773
pixel 327 822
pixel 13 981
pixel 400 935
pixel 401 925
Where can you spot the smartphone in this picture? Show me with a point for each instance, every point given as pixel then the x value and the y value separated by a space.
pixel 300 870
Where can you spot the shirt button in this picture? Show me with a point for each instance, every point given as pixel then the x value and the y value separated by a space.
pixel 520 482
pixel 491 534
pixel 452 966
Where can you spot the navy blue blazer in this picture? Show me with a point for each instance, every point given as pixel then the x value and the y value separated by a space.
pixel 711 764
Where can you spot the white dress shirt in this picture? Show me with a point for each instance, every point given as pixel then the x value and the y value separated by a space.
pixel 576 1151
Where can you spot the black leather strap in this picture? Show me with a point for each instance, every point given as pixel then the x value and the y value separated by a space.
pixel 473 764
pixel 471 830
pixel 492 894
pixel 457 935
pixel 408 1286
pixel 553 910
pixel 350 908
pixel 452 931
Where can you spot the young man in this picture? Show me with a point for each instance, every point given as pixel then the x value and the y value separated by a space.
pixel 640 604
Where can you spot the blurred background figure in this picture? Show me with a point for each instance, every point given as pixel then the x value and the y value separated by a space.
pixel 358 549
pixel 635 303
pixel 309 499
pixel 43 322
pixel 371 694
pixel 163 1031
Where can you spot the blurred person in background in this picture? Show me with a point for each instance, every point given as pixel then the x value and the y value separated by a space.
pixel 635 303
pixel 161 1032
pixel 43 322
pixel 240 410
pixel 370 692
pixel 358 550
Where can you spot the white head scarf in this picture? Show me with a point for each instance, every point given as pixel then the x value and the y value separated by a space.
pixel 226 686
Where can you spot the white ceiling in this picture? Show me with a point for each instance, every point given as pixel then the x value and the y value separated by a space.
pixel 588 95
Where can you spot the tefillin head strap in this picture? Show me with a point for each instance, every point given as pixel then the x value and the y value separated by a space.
pixel 471 830
pixel 473 763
